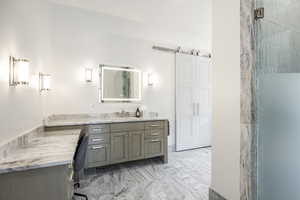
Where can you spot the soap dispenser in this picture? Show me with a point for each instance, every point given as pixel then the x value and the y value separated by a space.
pixel 138 113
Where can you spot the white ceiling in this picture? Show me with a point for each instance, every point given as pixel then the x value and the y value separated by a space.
pixel 190 16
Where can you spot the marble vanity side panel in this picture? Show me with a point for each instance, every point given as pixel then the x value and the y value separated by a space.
pixel 213 195
pixel 248 154
pixel 19 141
pixel 247 62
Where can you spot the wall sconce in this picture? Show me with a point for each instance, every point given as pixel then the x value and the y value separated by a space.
pixel 45 82
pixel 88 75
pixel 18 71
pixel 150 79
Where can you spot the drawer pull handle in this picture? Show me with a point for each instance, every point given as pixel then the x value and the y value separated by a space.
pixel 97 129
pixel 155 134
pixel 155 140
pixel 98 147
pixel 97 140
pixel 154 125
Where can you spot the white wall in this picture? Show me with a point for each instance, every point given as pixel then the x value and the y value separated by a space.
pixel 82 39
pixel 186 23
pixel 62 40
pixel 226 99
pixel 86 38
pixel 24 35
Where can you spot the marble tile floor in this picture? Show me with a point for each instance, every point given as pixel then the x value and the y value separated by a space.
pixel 185 177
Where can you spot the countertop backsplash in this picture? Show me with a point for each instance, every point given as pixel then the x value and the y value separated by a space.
pixel 12 145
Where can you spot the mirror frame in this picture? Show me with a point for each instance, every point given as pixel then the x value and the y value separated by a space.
pixel 119 68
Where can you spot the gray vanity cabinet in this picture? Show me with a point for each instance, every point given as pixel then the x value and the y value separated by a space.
pixel 119 147
pixel 48 183
pixel 98 155
pixel 121 142
pixel 136 145
pixel 154 147
pixel 154 139
pixel 98 152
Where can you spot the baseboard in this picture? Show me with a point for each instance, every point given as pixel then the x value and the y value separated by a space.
pixel 213 195
pixel 171 148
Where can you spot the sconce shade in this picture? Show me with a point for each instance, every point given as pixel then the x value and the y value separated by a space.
pixel 150 79
pixel 45 82
pixel 88 74
pixel 19 71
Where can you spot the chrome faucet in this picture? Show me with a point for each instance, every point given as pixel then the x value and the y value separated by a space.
pixel 123 113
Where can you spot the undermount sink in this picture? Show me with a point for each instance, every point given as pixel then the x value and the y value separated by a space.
pixel 121 118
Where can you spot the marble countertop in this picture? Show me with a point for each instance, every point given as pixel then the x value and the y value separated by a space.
pixel 95 120
pixel 45 150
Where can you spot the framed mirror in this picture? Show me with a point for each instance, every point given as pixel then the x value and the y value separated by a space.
pixel 120 84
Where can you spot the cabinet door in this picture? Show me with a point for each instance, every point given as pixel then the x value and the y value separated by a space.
pixel 154 147
pixel 136 145
pixel 98 155
pixel 202 98
pixel 193 102
pixel 119 147
pixel 185 106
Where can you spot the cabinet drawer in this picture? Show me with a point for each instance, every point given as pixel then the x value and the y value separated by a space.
pixel 154 147
pixel 98 155
pixel 153 133
pixel 99 139
pixel 120 127
pixel 98 129
pixel 154 125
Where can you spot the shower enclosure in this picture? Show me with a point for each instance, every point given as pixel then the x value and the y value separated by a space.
pixel 277 99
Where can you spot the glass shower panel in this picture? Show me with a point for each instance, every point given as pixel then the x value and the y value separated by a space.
pixel 281 12
pixel 279 117
pixel 277 96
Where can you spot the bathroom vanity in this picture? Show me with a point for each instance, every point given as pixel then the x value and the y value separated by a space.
pixel 122 142
pixel 38 166
pixel 118 140
pixel 46 156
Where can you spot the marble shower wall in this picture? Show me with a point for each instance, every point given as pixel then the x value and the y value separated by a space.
pixel 248 157
pixel 270 45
